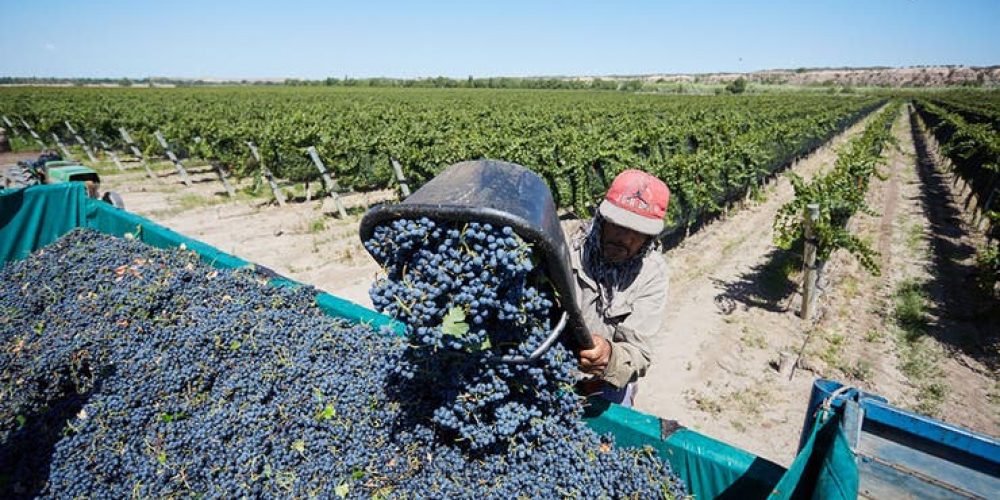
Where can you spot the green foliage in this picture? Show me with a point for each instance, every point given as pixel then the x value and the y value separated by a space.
pixel 910 309
pixel 839 194
pixel 709 150
pixel 342 490
pixel 967 126
pixel 317 225
pixel 988 264
pixel 326 413
pixel 737 86
pixel 454 323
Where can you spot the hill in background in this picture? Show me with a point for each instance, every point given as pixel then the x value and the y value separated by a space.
pixel 922 76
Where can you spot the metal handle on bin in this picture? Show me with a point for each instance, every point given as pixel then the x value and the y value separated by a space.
pixel 583 340
pixel 542 349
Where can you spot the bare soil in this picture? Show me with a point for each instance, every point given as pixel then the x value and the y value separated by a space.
pixel 733 307
pixel 303 240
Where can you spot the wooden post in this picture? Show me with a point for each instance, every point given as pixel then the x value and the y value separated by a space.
pixel 327 182
pixel 34 134
pixel 278 195
pixel 135 151
pixel 225 181
pixel 62 147
pixel 142 159
pixel 125 135
pixel 786 363
pixel 403 184
pixel 10 126
pixel 809 257
pixel 81 142
pixel 114 156
pixel 86 149
pixel 173 158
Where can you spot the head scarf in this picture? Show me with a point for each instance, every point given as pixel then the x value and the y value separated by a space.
pixel 611 277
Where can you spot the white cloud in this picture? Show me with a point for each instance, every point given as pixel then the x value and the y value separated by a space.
pixel 49 46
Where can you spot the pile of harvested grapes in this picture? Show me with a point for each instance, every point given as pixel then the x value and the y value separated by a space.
pixel 132 371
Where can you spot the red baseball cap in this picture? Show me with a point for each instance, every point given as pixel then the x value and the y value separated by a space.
pixel 638 201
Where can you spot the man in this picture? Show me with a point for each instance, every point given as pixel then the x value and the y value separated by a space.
pixel 621 284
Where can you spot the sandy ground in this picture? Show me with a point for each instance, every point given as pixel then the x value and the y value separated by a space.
pixel 711 370
pixel 303 240
pixel 733 307
pixel 733 295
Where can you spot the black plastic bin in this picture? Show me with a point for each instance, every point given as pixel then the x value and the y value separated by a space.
pixel 502 194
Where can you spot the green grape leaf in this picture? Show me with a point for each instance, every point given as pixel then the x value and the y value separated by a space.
pixel 341 490
pixel 326 413
pixel 454 323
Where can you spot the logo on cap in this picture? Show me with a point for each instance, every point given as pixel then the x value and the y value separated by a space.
pixel 634 200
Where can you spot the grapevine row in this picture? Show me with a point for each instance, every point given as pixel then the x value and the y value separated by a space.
pixel 710 150
pixel 973 148
pixel 973 107
pixel 840 193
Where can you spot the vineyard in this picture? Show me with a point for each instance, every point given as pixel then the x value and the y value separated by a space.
pixel 970 137
pixel 710 150
pixel 839 195
pixel 898 234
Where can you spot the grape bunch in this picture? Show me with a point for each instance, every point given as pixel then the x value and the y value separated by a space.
pixel 469 294
pixel 132 371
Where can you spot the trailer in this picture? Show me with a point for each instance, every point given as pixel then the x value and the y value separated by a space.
pixel 851 441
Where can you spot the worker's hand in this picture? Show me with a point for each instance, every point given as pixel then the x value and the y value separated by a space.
pixel 594 361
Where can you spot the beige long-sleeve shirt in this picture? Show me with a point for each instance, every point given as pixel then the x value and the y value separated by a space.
pixel 635 316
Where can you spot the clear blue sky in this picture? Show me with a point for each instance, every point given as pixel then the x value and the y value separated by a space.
pixel 316 39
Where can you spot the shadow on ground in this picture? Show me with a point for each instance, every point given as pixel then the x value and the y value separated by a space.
pixel 766 286
pixel 964 317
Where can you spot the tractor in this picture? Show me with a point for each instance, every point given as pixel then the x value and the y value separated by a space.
pixel 50 168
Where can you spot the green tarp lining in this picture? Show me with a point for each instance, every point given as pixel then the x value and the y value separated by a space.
pixel 825 468
pixel 32 218
pixel 710 468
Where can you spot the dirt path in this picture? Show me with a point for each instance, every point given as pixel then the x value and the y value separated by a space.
pixel 303 240
pixel 713 354
pixel 732 309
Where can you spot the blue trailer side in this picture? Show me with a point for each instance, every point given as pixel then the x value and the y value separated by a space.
pixel 900 454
